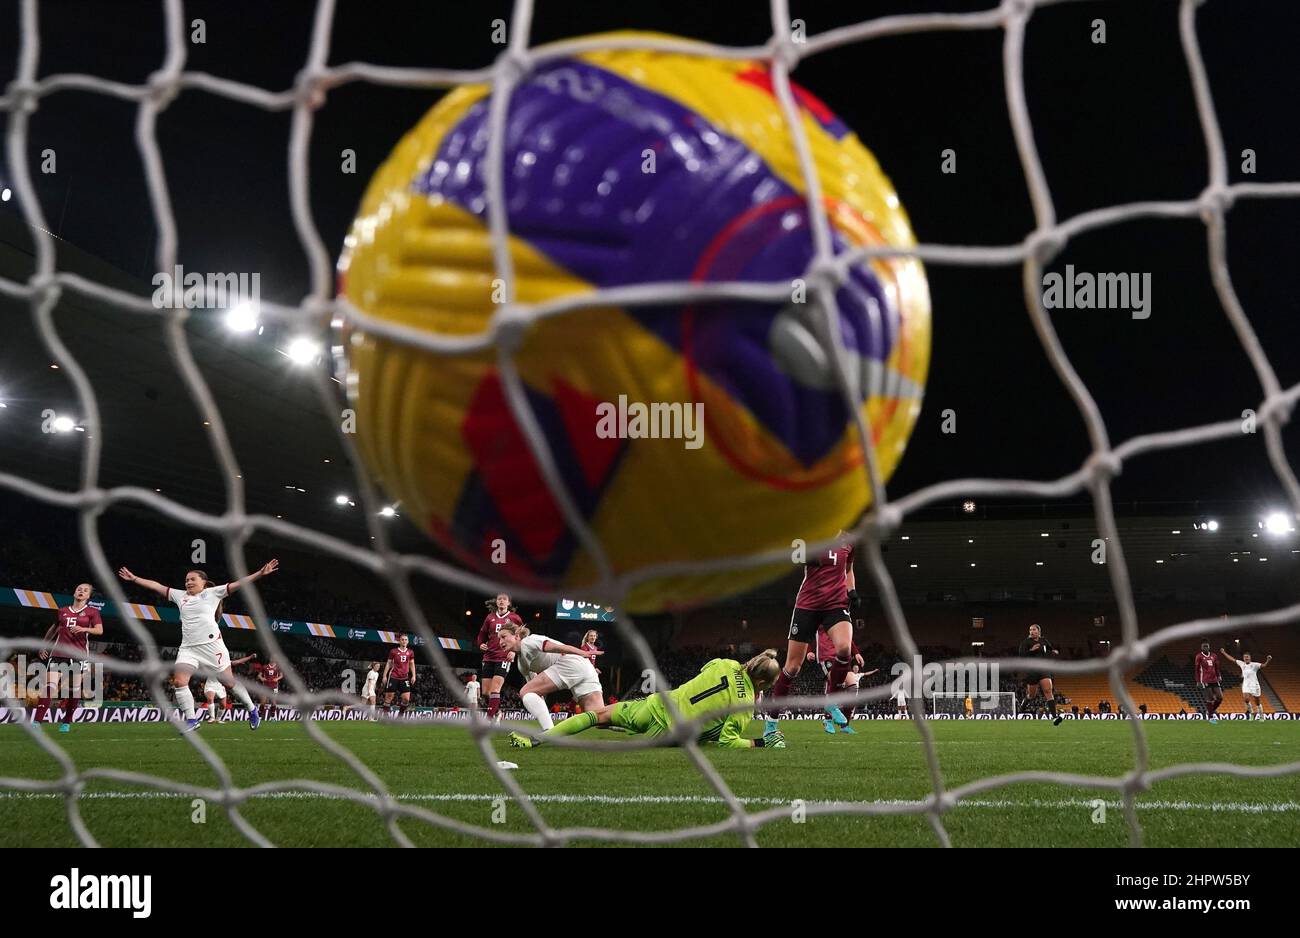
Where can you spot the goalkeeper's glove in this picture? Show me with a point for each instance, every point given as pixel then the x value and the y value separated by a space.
pixel 772 740
pixel 854 599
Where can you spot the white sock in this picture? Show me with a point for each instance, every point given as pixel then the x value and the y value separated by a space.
pixel 185 700
pixel 535 705
pixel 212 710
pixel 241 694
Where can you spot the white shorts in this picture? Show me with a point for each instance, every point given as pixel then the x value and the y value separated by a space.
pixel 576 674
pixel 368 691
pixel 1251 689
pixel 213 686
pixel 211 655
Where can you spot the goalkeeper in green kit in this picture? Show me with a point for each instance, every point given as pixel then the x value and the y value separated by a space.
pixel 720 685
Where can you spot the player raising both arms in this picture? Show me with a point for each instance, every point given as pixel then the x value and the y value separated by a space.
pixel 1250 689
pixel 548 666
pixel 1209 680
pixel 720 685
pixel 825 596
pixel 214 690
pixel 399 674
pixel 1035 646
pixel 201 643
pixel 496 662
pixel 67 655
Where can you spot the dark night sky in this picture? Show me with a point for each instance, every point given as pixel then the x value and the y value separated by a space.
pixel 1114 123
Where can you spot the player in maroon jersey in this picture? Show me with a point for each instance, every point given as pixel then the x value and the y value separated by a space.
pixel 496 660
pixel 269 675
pixel 67 654
pixel 1209 680
pixel 589 644
pixel 825 598
pixel 399 674
pixel 825 658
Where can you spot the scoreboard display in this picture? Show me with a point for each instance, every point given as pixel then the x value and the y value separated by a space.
pixel 574 609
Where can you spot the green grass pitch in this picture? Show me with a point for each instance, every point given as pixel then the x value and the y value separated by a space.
pixel 439 769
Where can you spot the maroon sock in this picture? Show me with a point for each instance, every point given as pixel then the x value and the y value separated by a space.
pixel 839 671
pixel 402 708
pixel 782 686
pixel 71 704
pixel 494 705
pixel 38 711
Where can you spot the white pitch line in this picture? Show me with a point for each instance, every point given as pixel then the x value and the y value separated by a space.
pixel 1230 807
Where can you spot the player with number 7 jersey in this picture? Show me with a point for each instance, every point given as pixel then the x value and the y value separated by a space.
pixel 202 647
pixel 721 685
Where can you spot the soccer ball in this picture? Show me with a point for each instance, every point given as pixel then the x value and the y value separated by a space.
pixel 625 167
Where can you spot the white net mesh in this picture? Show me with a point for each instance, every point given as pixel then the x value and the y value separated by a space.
pixel 43 290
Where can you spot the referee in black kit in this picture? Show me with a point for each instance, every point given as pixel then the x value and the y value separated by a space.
pixel 1035 646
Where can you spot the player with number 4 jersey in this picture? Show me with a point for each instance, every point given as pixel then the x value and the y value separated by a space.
pixel 828 592
pixel 721 685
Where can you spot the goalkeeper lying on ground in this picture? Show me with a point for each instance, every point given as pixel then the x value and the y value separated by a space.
pixel 721 684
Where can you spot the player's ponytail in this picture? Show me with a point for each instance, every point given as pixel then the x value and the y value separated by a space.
pixel 763 669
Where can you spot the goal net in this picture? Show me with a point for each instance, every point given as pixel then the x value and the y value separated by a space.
pixel 29 90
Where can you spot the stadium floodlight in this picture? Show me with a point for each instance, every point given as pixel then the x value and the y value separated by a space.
pixel 302 350
pixel 342 500
pixel 388 511
pixel 1212 525
pixel 3 406
pixel 243 318
pixel 968 506
pixel 1277 523
pixel 5 194
pixel 63 424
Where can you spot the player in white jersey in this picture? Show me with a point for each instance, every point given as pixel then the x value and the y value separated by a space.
pixel 471 691
pixel 1250 689
pixel 202 648
pixel 370 693
pixel 548 666
pixel 214 690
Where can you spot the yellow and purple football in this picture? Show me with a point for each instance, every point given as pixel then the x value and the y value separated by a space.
pixel 626 167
